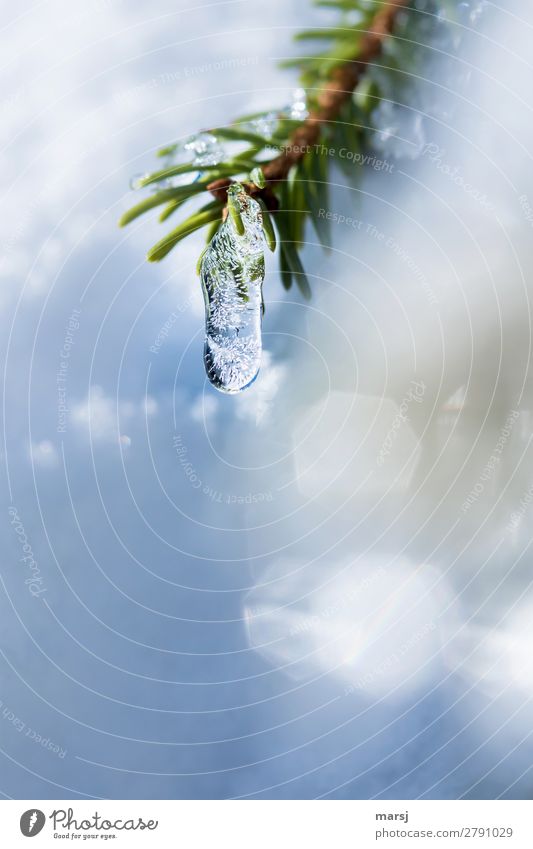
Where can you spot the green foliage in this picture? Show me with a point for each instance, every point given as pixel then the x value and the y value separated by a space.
pixel 207 214
pixel 303 197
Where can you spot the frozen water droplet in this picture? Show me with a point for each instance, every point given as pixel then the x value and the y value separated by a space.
pixel 265 125
pixel 429 40
pixel 200 149
pixel 470 13
pixel 232 272
pixel 298 110
pixel 399 131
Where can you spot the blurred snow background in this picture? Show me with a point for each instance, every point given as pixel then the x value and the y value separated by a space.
pixel 320 587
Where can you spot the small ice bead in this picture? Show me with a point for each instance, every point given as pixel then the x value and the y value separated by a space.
pixel 299 109
pixel 205 148
pixel 232 364
pixel 232 273
pixel 399 131
pixel 477 11
pixel 136 181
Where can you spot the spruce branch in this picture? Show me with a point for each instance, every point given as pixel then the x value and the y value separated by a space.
pixel 285 170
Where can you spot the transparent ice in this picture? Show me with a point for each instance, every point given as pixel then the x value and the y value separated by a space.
pixel 205 149
pixel 298 109
pixel 200 149
pixel 400 131
pixel 232 272
pixel 136 181
pixel 429 35
pixel 265 125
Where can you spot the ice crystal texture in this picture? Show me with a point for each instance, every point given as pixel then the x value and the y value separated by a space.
pixel 297 110
pixel 232 272
pixel 266 123
pixel 200 149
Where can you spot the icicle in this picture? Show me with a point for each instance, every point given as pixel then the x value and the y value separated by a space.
pixel 232 271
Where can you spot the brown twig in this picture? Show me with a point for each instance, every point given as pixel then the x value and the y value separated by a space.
pixel 330 100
